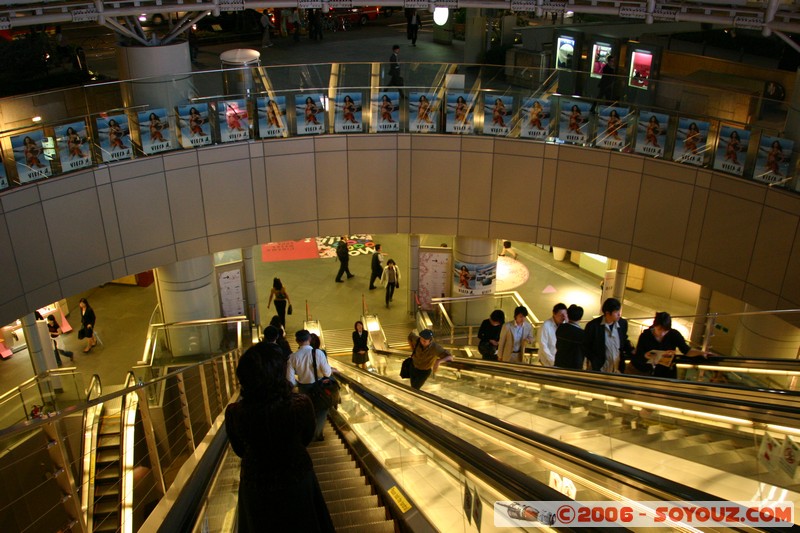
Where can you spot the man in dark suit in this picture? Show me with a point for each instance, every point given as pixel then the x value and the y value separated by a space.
pixel 377 269
pixel 606 341
pixel 570 341
pixel 343 254
pixel 395 80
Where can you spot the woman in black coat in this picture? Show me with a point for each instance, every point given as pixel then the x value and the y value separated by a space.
pixel 360 345
pixel 87 324
pixel 269 428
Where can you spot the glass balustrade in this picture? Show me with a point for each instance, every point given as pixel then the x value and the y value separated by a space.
pixel 98 127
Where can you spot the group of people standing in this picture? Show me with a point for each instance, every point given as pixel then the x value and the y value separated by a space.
pixel 603 345
pixel 499 340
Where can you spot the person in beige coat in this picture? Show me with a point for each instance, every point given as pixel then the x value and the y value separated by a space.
pixel 514 337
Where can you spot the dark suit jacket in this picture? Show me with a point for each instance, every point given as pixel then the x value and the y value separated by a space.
pixel 377 269
pixel 342 253
pixel 595 340
pixel 569 346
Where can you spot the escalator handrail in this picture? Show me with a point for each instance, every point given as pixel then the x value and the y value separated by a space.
pixel 493 472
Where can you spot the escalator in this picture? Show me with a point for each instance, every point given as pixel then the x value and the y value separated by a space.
pixel 700 435
pixel 105 514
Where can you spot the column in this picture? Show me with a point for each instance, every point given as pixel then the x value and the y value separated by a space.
pixel 474 36
pixel 187 291
pixel 250 284
pixel 413 271
pixel 699 326
pixel 36 348
pixel 476 252
pixel 142 63
pixel 765 335
pixel 620 280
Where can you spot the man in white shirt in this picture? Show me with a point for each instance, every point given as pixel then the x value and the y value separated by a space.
pixel 514 336
pixel 547 335
pixel 300 372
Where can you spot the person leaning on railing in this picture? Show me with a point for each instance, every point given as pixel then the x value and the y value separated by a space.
pixel 655 350
pixel 426 356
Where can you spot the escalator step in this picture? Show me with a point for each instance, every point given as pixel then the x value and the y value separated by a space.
pixel 339 474
pixel 106 491
pixel 106 507
pixel 324 457
pixel 353 504
pixel 108 456
pixel 339 484
pixel 386 526
pixel 336 459
pixel 356 491
pixel 106 474
pixel 334 467
pixel 361 516
pixel 108 441
pixel 109 523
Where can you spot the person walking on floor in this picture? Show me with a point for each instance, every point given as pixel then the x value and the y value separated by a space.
pixel 395 80
pixel 390 279
pixel 377 269
pixel 266 26
pixel 426 356
pixel 88 320
pixel 281 297
pixel 55 333
pixel 414 24
pixel 343 254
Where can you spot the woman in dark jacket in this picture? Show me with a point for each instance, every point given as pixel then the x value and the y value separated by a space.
pixel 489 335
pixel 360 345
pixel 269 428
pixel 87 324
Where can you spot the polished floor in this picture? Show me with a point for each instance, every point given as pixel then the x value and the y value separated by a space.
pixel 124 312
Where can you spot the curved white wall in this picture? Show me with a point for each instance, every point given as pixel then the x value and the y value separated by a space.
pixel 64 235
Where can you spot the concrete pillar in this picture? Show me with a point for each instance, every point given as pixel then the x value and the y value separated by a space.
pixel 413 270
pixel 187 291
pixel 700 320
pixel 237 79
pixel 474 36
pixel 765 335
pixel 620 280
pixel 36 348
pixel 476 252
pixel 172 61
pixel 250 284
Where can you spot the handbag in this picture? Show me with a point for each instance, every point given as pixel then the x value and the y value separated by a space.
pixel 486 349
pixel 289 312
pixel 324 393
pixel 405 368
pixel 81 333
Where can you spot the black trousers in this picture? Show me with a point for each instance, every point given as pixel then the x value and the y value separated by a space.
pixel 419 377
pixel 343 268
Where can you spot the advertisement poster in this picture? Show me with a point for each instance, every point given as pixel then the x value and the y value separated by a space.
pixel 651 133
pixel 3 176
pixel 29 156
pixel 459 116
pixel 772 162
pixel 612 128
pixel 115 137
pixel 639 75
pixel 347 118
pixel 471 279
pixel 154 130
pixel 234 122
pixel 536 124
pixel 600 55
pixel 731 150
pixel 271 117
pixel 386 111
pixel 310 113
pixel 565 50
pixel 193 121
pixel 435 267
pixel 574 124
pixel 422 112
pixel 690 141
pixel 497 113
pixel 72 141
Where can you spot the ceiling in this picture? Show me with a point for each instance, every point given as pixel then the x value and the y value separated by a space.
pixel 767 16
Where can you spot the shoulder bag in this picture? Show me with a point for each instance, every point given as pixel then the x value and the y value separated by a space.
pixel 324 392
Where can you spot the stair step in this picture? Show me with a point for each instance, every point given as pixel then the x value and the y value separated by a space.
pixel 108 441
pixel 106 474
pixel 339 474
pixel 107 456
pixel 336 459
pixel 106 491
pixel 385 526
pixel 110 425
pixel 358 517
pixel 344 493
pixel 106 507
pixel 335 467
pixel 337 483
pixel 353 504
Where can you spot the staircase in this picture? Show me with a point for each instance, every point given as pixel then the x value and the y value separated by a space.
pixel 351 502
pixel 107 473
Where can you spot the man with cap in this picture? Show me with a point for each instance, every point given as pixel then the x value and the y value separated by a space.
pixel 300 372
pixel 426 356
